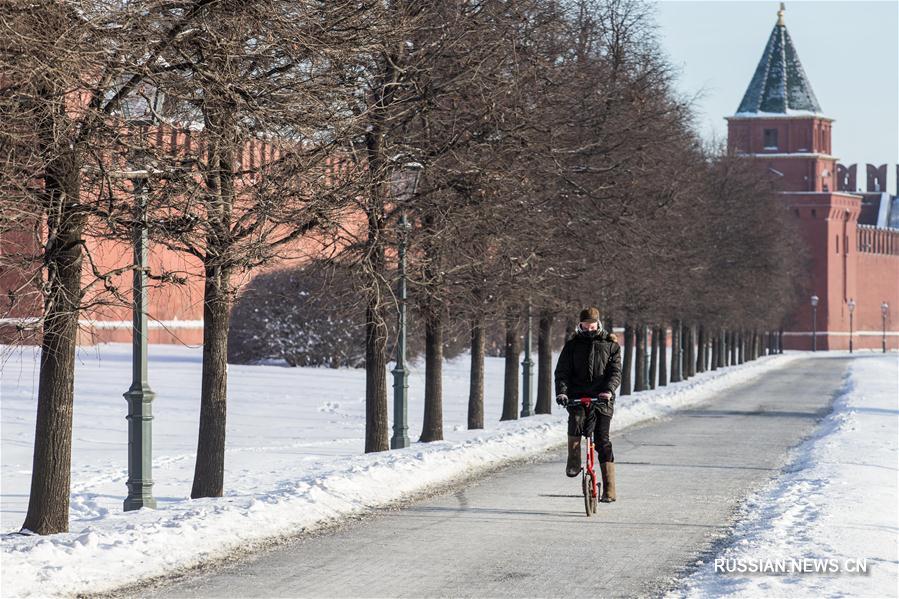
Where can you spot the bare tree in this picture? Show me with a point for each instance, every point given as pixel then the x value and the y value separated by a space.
pixel 264 83
pixel 67 68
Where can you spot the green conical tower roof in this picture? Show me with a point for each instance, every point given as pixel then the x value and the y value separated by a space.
pixel 779 85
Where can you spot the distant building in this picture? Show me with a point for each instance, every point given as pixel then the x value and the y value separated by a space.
pixel 852 236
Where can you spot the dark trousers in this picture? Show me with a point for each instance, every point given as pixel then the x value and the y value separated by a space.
pixel 589 421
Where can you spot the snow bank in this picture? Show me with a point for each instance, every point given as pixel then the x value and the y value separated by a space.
pixel 836 501
pixel 294 460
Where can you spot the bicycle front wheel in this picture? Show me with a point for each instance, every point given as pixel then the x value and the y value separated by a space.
pixel 589 499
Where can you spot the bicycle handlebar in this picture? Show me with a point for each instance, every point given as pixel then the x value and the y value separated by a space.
pixel 583 401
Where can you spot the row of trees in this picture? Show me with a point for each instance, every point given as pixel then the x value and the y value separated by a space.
pixel 558 168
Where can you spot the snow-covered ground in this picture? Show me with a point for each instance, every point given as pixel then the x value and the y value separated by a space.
pixel 294 458
pixel 836 502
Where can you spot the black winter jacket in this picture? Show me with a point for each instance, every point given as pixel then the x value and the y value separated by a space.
pixel 589 365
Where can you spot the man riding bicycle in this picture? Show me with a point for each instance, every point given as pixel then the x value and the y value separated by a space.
pixel 590 366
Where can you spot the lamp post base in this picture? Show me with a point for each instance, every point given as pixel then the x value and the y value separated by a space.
pixel 140 495
pixel 527 380
pixel 399 441
pixel 400 437
pixel 140 448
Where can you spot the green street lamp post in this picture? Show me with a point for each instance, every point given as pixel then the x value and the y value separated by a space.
pixel 884 310
pixel 139 395
pixel 814 302
pixel 851 305
pixel 400 437
pixel 404 182
pixel 139 110
pixel 527 372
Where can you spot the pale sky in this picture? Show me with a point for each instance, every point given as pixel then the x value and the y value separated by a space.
pixel 849 50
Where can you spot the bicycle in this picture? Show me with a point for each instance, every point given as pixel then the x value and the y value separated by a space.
pixel 589 484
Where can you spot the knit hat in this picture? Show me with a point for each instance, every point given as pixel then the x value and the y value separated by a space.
pixel 589 315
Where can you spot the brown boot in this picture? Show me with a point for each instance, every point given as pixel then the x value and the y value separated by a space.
pixel 607 469
pixel 574 457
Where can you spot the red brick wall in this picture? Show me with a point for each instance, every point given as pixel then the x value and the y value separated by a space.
pixel 839 272
pixel 794 134
pixel 878 281
pixel 801 155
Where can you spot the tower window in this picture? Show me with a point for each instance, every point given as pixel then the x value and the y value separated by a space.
pixel 770 139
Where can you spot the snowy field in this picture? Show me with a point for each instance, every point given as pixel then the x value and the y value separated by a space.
pixel 836 502
pixel 294 458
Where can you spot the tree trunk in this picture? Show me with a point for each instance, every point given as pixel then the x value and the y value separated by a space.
pixel 476 387
pixel 715 350
pixel 376 421
pixel 640 358
pixel 700 350
pixel 544 365
pixel 510 385
pixel 376 424
pixel 48 503
pixel 725 347
pixel 691 350
pixel 432 427
pixel 628 365
pixel 209 469
pixel 675 352
pixel 733 347
pixel 663 355
pixel 654 358
pixel 722 349
pixel 740 347
pixel 694 350
pixel 747 341
pixel 727 342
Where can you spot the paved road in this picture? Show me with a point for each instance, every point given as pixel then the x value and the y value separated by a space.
pixel 523 533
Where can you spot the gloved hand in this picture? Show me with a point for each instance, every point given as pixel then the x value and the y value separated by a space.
pixel 606 395
pixel 562 399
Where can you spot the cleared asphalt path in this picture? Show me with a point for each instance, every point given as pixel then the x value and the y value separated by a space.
pixel 523 532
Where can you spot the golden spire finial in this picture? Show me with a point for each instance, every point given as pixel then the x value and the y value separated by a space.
pixel 780 15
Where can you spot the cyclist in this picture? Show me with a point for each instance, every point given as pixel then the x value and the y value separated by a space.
pixel 590 366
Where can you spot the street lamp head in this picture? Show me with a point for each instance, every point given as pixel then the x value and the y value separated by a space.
pixel 851 305
pixel 884 308
pixel 814 300
pixel 405 225
pixel 404 181
pixel 142 105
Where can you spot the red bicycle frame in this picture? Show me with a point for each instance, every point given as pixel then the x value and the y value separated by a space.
pixel 587 402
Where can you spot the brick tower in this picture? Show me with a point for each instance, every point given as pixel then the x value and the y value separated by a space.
pixel 780 120
pixel 779 123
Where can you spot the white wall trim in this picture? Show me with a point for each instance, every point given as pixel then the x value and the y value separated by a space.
pixel 111 324
pixel 841 333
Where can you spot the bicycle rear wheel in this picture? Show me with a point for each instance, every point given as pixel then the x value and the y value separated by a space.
pixel 586 486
